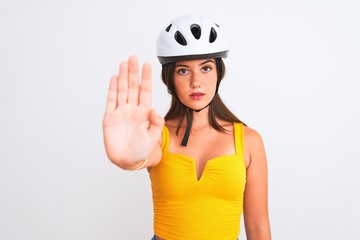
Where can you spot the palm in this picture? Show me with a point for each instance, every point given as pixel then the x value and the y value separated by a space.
pixel 131 127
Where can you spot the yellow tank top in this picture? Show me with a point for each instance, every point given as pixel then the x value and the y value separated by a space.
pixel 186 208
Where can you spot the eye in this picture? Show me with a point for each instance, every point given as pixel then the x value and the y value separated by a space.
pixel 206 69
pixel 182 71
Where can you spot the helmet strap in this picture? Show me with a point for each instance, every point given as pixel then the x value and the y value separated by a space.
pixel 187 131
pixel 188 126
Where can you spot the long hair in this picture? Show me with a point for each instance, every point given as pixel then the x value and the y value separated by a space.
pixel 217 109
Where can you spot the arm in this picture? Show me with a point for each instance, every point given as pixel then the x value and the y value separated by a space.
pixel 256 217
pixel 132 130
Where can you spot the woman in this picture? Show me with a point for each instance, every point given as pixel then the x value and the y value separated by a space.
pixel 206 167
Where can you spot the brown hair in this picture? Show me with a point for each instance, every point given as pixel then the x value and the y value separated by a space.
pixel 217 109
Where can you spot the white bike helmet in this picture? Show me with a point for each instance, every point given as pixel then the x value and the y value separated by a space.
pixel 191 37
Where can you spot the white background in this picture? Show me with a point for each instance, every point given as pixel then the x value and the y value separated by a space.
pixel 293 75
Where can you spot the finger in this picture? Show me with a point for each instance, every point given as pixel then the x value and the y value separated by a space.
pixel 145 87
pixel 122 84
pixel 133 80
pixel 111 99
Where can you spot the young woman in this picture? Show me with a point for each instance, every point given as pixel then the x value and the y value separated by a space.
pixel 206 167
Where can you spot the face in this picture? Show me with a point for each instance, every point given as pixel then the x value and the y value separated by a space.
pixel 195 82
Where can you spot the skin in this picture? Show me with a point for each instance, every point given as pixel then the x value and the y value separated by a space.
pixel 129 122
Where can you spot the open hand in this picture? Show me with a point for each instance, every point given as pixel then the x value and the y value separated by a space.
pixel 131 127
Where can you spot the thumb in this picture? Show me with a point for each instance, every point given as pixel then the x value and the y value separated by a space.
pixel 156 124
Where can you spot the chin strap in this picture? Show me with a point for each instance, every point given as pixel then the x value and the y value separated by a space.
pixel 187 132
pixel 188 127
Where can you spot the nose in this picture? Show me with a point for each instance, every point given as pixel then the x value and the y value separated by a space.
pixel 195 81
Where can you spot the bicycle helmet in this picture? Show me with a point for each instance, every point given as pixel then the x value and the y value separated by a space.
pixel 191 37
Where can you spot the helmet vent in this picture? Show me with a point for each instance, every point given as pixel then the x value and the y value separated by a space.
pixel 180 38
pixel 213 35
pixel 168 28
pixel 196 31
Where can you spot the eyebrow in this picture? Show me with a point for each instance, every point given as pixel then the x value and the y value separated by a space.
pixel 203 63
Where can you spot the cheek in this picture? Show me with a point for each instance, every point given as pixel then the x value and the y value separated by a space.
pixel 176 85
pixel 180 84
pixel 213 84
pixel 177 89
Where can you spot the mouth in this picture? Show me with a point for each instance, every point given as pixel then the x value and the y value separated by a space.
pixel 197 95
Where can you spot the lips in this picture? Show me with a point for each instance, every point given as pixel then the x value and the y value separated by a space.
pixel 197 95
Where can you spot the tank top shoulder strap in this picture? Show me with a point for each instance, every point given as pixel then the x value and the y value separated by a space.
pixel 239 138
pixel 165 139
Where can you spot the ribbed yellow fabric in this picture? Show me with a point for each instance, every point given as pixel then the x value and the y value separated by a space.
pixel 186 208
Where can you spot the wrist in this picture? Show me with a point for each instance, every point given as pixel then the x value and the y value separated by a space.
pixel 141 166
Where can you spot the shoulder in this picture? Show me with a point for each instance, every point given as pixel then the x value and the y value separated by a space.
pixel 254 146
pixel 252 136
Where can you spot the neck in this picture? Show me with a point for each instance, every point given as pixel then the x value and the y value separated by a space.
pixel 201 119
